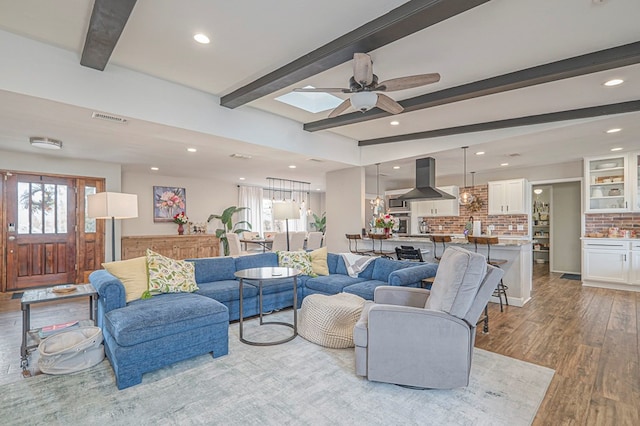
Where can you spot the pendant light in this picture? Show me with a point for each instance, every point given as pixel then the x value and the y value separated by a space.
pixel 465 197
pixel 378 204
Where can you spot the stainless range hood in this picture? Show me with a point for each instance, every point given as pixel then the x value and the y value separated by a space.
pixel 426 183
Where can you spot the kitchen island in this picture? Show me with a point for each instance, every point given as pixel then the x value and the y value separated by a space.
pixel 516 250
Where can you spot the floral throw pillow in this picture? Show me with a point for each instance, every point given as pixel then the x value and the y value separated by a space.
pixel 168 275
pixel 300 260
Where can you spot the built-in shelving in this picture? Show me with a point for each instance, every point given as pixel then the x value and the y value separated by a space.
pixel 541 224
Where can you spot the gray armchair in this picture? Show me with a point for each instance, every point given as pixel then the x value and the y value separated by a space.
pixel 416 337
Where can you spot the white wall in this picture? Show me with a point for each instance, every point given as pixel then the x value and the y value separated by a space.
pixel 345 209
pixel 204 197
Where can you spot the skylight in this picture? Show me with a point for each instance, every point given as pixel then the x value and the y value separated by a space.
pixel 311 102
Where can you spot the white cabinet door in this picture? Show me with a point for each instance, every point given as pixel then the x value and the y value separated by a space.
pixel 605 265
pixel 507 197
pixel 435 208
pixel 608 184
pixel 634 266
pixel 634 179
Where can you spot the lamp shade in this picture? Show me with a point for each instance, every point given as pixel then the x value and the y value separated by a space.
pixel 286 210
pixel 107 205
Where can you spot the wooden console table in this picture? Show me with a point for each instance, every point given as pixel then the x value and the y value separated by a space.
pixel 174 246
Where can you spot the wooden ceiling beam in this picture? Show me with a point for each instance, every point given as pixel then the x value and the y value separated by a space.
pixel 108 19
pixel 615 57
pixel 407 19
pixel 574 114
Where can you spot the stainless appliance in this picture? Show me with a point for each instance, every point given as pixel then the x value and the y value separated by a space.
pixel 397 205
pixel 404 224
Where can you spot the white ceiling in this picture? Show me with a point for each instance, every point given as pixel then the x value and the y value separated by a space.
pixel 251 38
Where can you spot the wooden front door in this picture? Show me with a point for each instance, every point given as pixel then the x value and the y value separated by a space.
pixel 40 231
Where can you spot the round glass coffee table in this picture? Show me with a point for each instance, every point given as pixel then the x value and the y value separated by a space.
pixel 266 274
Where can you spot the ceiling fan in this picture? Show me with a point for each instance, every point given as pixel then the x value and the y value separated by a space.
pixel 364 83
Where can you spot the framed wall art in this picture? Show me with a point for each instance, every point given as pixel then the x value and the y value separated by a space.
pixel 168 201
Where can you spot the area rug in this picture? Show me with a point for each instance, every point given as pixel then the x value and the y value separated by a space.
pixel 576 277
pixel 294 383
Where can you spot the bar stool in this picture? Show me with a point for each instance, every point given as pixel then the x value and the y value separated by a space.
pixel 489 241
pixel 439 239
pixel 380 237
pixel 355 238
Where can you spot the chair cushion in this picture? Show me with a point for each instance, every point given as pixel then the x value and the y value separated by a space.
pixel 459 276
pixel 383 267
pixel 162 315
pixel 331 284
pixel 226 290
pixel 214 269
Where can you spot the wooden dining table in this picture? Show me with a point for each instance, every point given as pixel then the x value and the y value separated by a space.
pixel 264 242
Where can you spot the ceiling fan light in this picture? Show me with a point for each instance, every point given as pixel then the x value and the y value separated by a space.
pixel 364 101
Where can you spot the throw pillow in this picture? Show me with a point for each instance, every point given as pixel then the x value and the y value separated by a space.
pixel 168 275
pixel 319 261
pixel 133 275
pixel 300 260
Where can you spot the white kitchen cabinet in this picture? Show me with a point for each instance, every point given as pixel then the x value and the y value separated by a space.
pixel 608 187
pixel 606 260
pixel 634 268
pixel 634 180
pixel 437 208
pixel 507 197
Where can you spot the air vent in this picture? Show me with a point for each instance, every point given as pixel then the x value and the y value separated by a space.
pixel 315 160
pixel 107 117
pixel 241 156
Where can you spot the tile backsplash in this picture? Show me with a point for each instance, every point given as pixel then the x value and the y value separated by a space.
pixel 501 223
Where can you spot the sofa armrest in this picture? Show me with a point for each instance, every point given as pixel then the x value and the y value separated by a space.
pixel 401 296
pixel 111 293
pixel 412 274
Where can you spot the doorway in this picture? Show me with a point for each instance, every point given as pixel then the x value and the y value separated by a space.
pixel 46 238
pixel 556 227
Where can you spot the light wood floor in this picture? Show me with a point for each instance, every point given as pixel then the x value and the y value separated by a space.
pixel 589 336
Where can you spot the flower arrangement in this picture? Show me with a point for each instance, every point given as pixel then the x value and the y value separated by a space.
pixel 387 221
pixel 180 218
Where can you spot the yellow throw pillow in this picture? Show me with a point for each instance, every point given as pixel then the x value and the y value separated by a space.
pixel 132 273
pixel 319 261
pixel 168 275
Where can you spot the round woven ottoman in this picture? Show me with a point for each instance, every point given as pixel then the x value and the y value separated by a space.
pixel 329 320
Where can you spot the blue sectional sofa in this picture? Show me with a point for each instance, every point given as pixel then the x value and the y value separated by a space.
pixel 145 335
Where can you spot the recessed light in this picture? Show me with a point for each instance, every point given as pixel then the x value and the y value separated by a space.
pixel 201 38
pixel 618 148
pixel 395 123
pixel 317 189
pixel 241 178
pixel 504 164
pixel 480 153
pixel 396 167
pixel 292 166
pixel 615 130
pixel 155 169
pixel 192 150
pixel 613 82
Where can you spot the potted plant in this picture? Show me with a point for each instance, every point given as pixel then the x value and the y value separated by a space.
pixel 227 225
pixel 320 223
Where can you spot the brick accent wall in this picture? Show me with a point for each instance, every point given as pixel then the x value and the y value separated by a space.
pixel 455 224
pixel 601 222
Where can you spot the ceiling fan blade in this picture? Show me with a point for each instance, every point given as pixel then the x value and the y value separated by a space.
pixel 340 108
pixel 362 69
pixel 323 89
pixel 408 82
pixel 388 104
